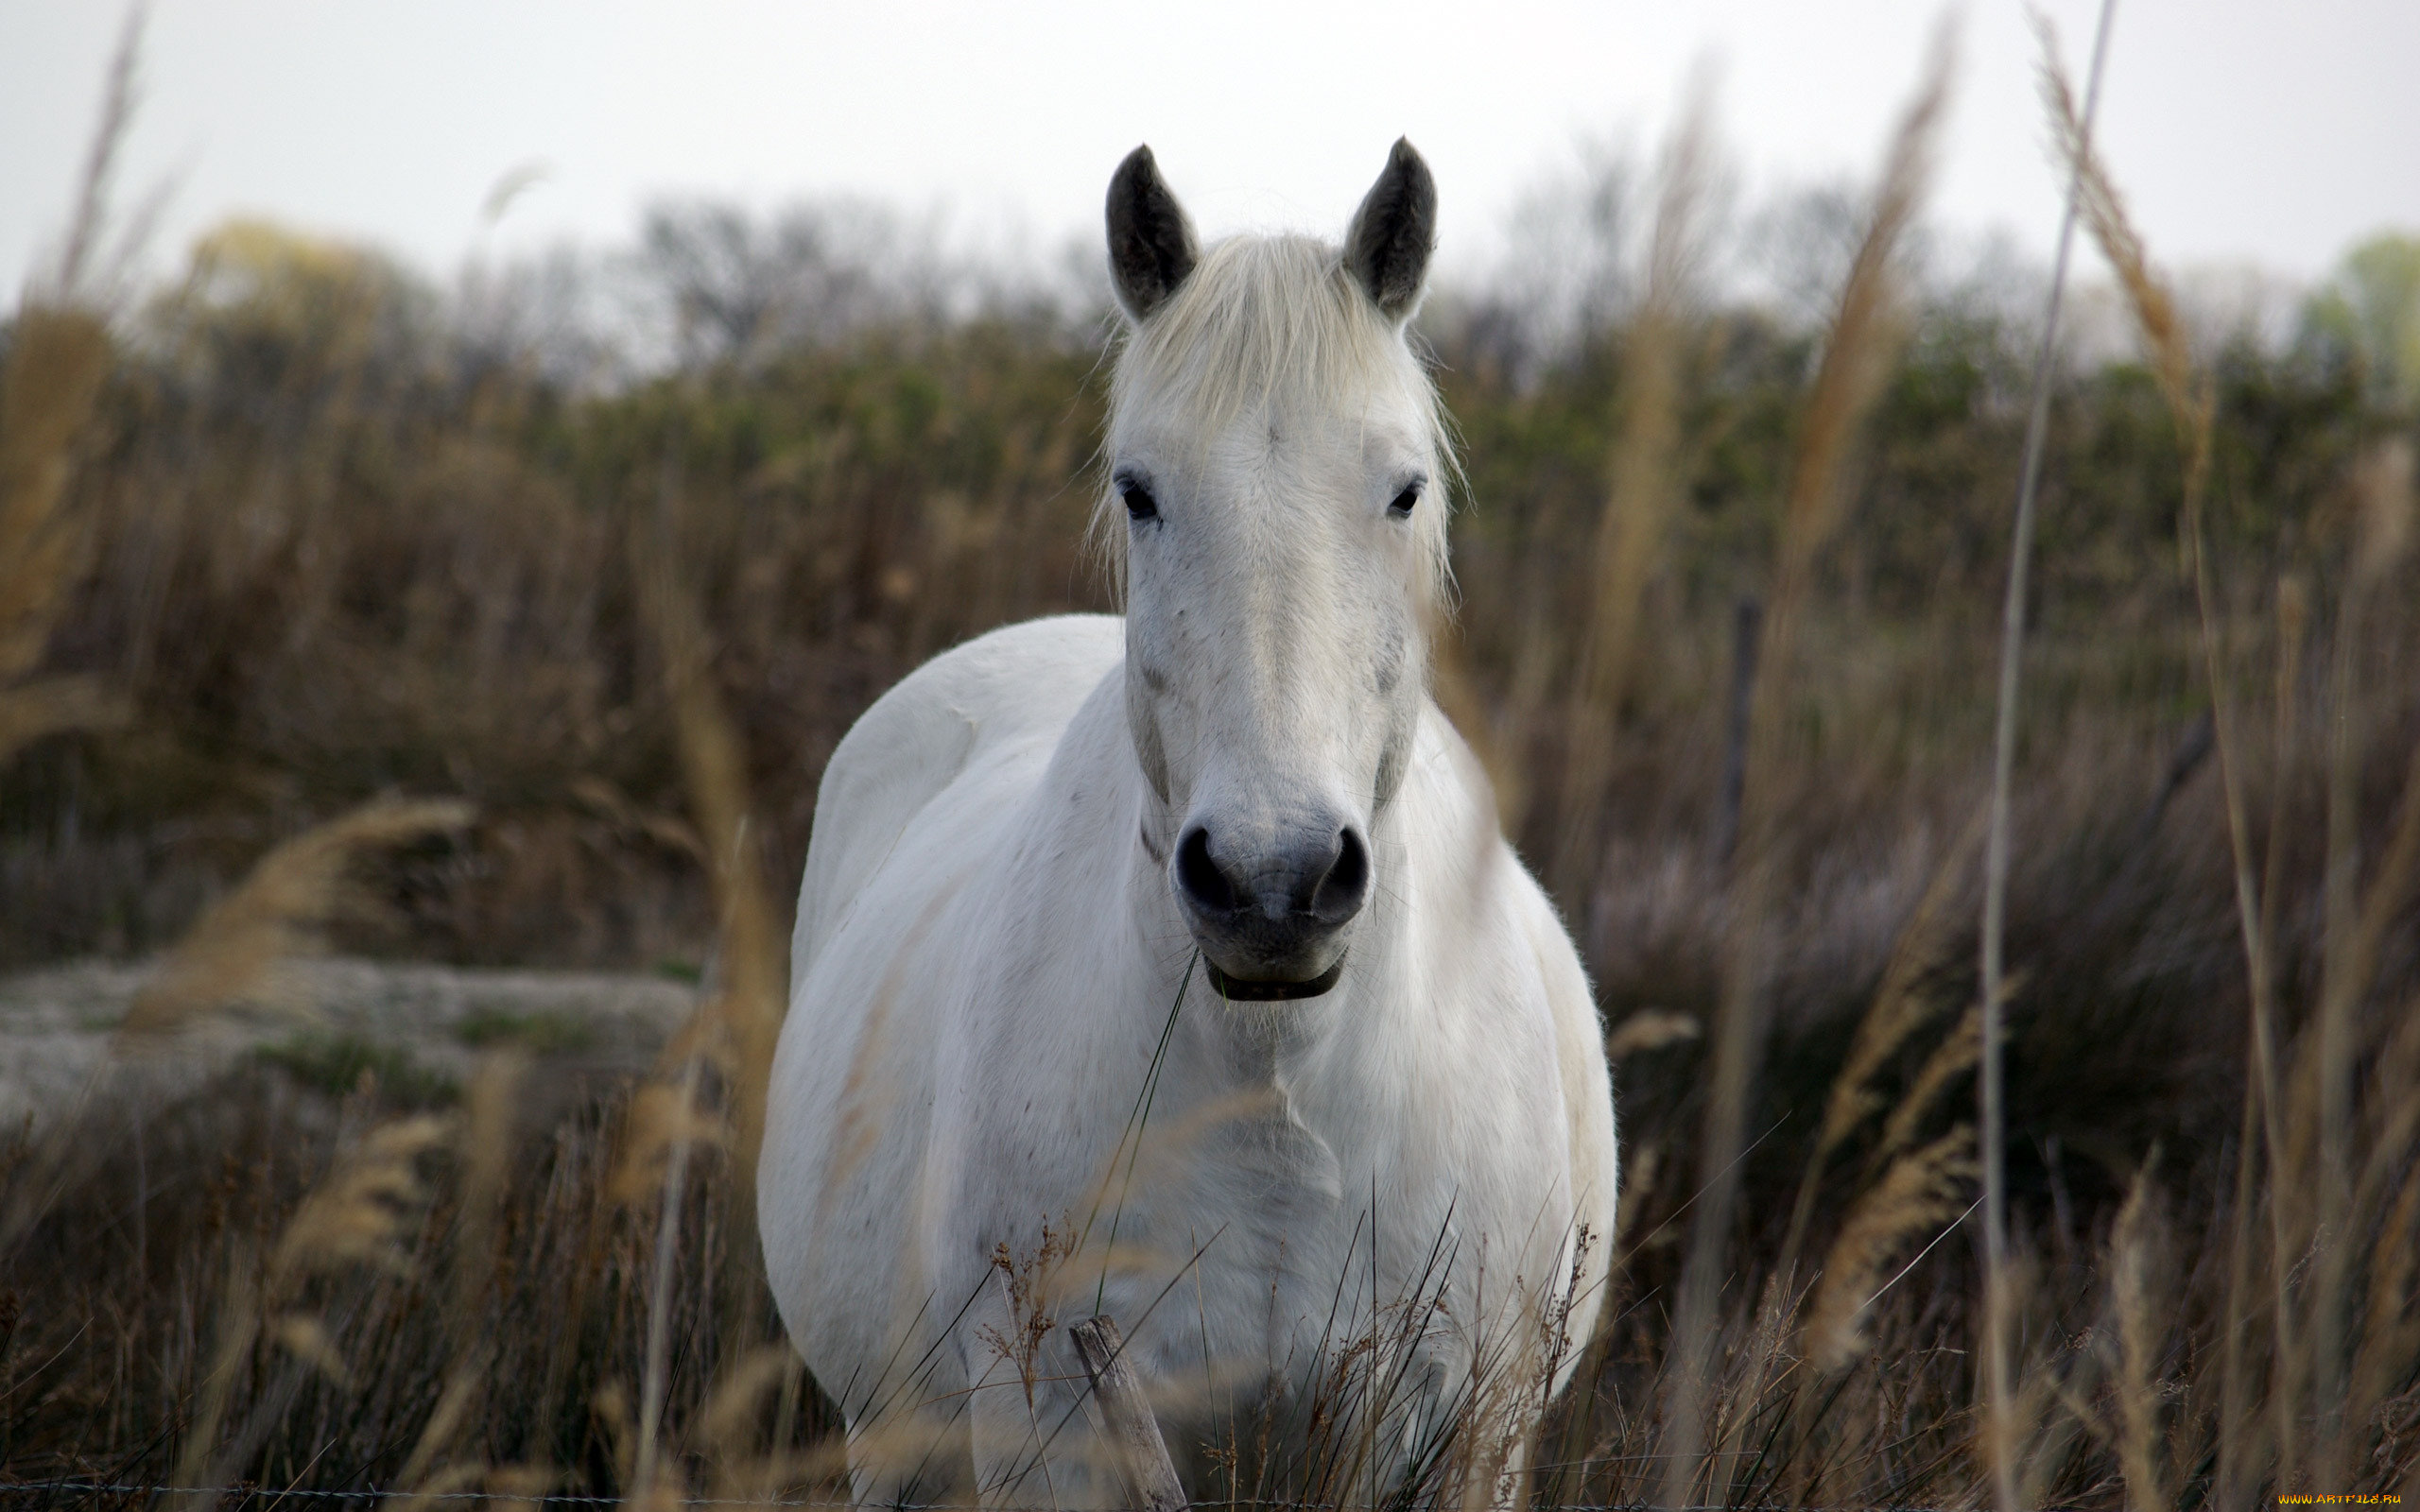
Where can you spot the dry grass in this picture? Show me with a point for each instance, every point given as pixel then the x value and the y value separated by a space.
pixel 56 364
pixel 1646 487
pixel 1920 1192
pixel 2134 1297
pixel 1865 331
pixel 2321 1199
pixel 230 959
pixel 314 562
pixel 58 357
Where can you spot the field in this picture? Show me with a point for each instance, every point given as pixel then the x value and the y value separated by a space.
pixel 339 612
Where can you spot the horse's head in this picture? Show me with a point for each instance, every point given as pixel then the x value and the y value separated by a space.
pixel 1278 488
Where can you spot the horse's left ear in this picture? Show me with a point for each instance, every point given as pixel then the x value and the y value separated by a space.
pixel 1393 233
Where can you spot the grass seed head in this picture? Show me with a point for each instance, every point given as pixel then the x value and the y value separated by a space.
pixel 1921 1191
pixel 50 706
pixel 231 954
pixel 2148 295
pixel 727 1426
pixel 1650 1029
pixel 356 1216
pixel 1950 1059
pixel 1901 1007
pixel 665 1118
pixel 2142 1329
pixel 305 1336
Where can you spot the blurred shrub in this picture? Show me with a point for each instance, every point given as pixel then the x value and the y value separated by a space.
pixel 352 535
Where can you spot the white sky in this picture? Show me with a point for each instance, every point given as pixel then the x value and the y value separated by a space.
pixel 2245 132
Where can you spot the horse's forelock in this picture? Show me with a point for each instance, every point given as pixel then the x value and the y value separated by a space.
pixel 1270 324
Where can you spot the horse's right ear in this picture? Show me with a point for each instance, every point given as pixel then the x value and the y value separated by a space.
pixel 1150 243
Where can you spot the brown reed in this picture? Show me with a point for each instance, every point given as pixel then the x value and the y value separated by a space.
pixel 353 1219
pixel 1920 1192
pixel 1646 489
pixel 2315 1196
pixel 1865 331
pixel 1649 1030
pixel 739 1023
pixel 2238 1421
pixel 1950 1059
pixel 58 357
pixel 57 362
pixel 231 955
pixel 485 1140
pixel 2136 1298
pixel 1899 1009
pixel 2191 406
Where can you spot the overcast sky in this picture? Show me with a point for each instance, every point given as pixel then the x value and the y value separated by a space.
pixel 2245 132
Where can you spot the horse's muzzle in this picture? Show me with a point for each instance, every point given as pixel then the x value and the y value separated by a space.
pixel 1271 920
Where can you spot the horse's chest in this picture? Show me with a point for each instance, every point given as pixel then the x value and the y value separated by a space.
pixel 1273 1191
pixel 1249 1241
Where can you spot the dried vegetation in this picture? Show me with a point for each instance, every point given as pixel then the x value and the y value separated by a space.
pixel 270 552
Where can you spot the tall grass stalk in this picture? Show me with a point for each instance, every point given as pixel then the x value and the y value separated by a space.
pixel 737 1023
pixel 2000 1385
pixel 1644 489
pixel 2257 1139
pixel 2190 405
pixel 2384 494
pixel 88 228
pixel 57 359
pixel 1865 333
pixel 2142 1325
pixel 656 1370
pixel 2318 1196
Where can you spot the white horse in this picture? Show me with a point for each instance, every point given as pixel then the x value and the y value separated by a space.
pixel 1173 965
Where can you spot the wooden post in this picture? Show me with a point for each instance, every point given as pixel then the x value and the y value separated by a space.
pixel 1133 1433
pixel 1749 629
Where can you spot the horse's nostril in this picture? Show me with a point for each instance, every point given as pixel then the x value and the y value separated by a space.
pixel 1200 876
pixel 1342 892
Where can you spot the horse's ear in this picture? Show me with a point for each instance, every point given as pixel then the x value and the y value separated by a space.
pixel 1393 233
pixel 1150 243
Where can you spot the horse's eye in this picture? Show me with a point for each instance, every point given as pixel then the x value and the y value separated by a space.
pixel 1139 503
pixel 1404 501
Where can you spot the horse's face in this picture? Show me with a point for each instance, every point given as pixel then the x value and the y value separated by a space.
pixel 1278 472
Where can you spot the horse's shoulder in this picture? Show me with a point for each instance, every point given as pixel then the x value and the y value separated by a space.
pixel 916 739
pixel 1035 669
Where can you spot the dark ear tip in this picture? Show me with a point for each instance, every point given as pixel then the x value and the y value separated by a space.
pixel 1393 233
pixel 1150 243
pixel 1137 173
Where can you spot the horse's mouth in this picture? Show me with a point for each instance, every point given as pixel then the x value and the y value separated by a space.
pixel 1237 990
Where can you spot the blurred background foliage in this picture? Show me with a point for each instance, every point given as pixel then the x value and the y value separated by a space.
pixel 329 534
pixel 346 532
